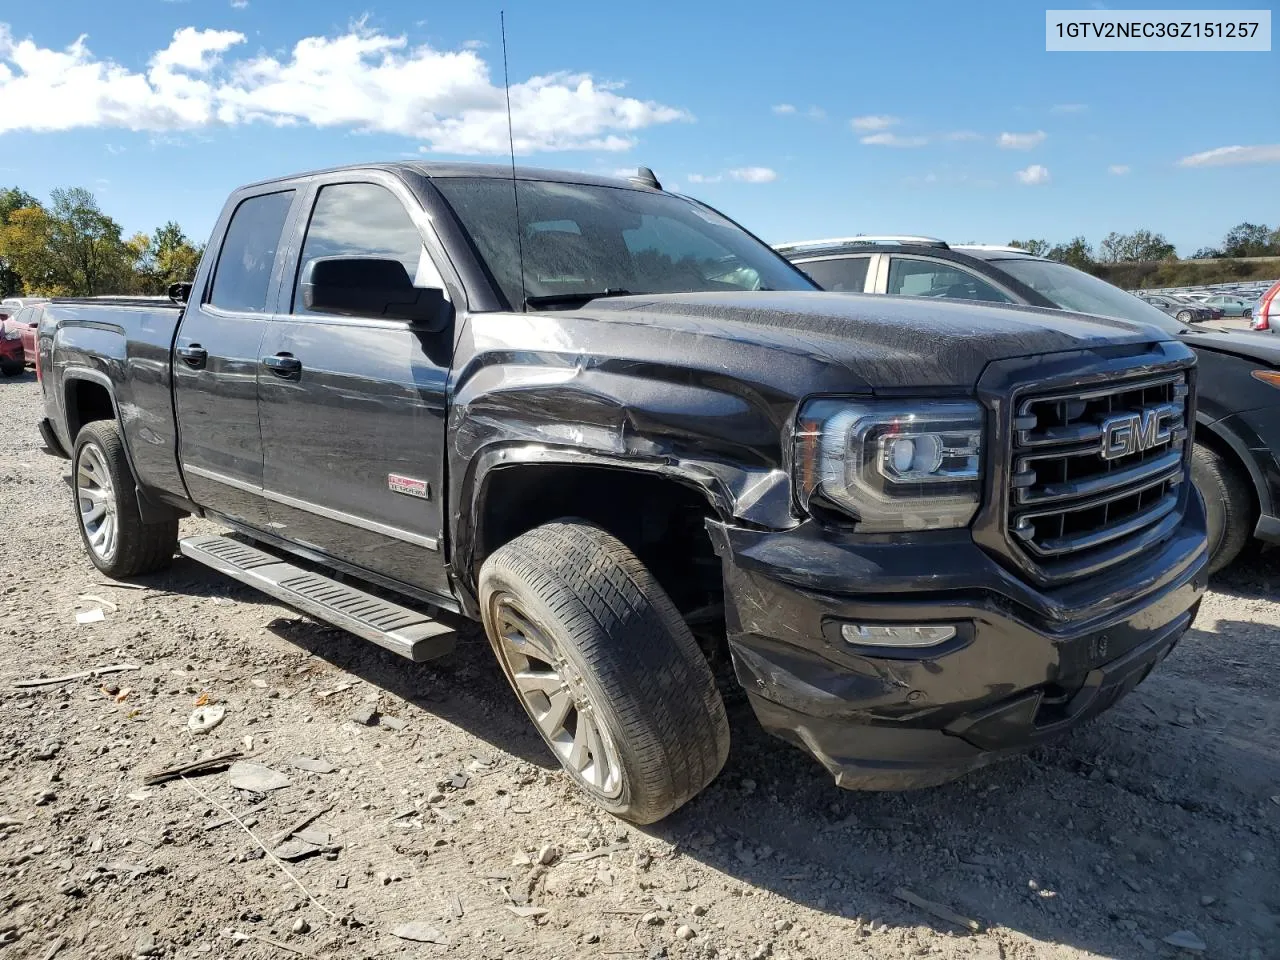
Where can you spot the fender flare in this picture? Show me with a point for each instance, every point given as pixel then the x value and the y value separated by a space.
pixel 1241 450
pixel 151 510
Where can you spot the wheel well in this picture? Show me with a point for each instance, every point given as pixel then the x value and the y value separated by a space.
pixel 661 520
pixel 87 401
pixel 1219 445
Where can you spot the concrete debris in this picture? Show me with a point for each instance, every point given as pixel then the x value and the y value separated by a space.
pixel 420 931
pixel 312 765
pixel 300 925
pixel 203 719
pixel 393 723
pixel 255 777
pixel 532 913
pixel 46 751
pixel 548 854
pixel 92 615
pixel 366 715
pixel 939 910
pixel 685 932
pixel 1186 940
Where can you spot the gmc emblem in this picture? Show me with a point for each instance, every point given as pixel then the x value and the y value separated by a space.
pixel 1128 433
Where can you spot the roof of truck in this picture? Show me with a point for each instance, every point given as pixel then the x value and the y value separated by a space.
pixel 455 169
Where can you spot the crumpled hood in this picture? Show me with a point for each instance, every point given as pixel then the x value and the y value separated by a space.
pixel 886 341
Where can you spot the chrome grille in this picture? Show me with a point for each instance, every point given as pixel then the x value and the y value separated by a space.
pixel 1096 472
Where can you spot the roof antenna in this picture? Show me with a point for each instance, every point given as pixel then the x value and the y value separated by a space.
pixel 511 142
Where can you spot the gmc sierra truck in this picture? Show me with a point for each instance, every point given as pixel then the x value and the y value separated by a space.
pixel 634 442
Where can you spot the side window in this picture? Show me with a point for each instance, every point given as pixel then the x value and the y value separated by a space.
pixel 846 274
pixel 242 276
pixel 933 278
pixel 364 220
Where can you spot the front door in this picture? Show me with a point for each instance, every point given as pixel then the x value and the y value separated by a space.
pixel 215 363
pixel 353 409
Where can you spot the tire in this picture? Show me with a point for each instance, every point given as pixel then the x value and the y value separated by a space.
pixel 1246 314
pixel 1184 316
pixel 12 369
pixel 621 652
pixel 138 547
pixel 1228 503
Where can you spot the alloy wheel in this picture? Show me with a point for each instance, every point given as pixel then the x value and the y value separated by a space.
pixel 96 502
pixel 556 697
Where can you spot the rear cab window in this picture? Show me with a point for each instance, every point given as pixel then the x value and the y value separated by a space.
pixel 840 274
pixel 242 275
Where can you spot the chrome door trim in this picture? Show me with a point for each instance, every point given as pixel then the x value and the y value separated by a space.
pixel 417 539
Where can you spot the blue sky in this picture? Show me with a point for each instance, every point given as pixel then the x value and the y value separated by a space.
pixel 943 118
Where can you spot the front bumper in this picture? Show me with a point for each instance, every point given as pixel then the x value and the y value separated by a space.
pixel 1025 665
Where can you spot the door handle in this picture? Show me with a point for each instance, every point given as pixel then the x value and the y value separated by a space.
pixel 283 365
pixel 194 356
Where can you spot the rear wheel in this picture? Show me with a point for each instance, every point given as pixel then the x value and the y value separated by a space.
pixel 605 667
pixel 107 513
pixel 1246 314
pixel 11 369
pixel 1183 316
pixel 1228 503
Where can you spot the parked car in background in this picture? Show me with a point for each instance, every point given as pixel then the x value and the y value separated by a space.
pixel 626 436
pixel 1266 314
pixel 1230 306
pixel 27 321
pixel 1236 457
pixel 1215 313
pixel 12 355
pixel 1184 311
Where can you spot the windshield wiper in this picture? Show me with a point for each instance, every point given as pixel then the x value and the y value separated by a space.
pixel 573 299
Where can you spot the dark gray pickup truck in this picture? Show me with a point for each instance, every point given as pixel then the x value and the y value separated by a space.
pixel 634 442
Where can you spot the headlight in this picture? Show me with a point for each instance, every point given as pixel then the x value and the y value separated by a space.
pixel 893 465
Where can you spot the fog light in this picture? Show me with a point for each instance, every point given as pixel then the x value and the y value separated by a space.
pixel 879 635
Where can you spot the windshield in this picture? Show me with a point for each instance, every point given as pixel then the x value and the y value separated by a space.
pixel 1073 289
pixel 580 239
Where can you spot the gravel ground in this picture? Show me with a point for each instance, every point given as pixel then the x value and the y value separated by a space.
pixel 445 819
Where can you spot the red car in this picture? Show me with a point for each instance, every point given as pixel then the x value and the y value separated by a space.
pixel 19 322
pixel 1266 315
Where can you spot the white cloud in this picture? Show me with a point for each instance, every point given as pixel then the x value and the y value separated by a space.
pixel 959 135
pixel 114 149
pixel 1070 107
pixel 816 113
pixel 754 174
pixel 784 109
pixel 1033 175
pixel 239 4
pixel 473 44
pixel 874 121
pixel 892 140
pixel 1118 169
pixel 362 80
pixel 1021 141
pixel 703 178
pixel 1231 156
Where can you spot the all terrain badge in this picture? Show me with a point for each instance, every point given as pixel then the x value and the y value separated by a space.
pixel 409 486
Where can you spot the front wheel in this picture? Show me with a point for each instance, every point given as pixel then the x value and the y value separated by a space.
pixel 1184 316
pixel 602 662
pixel 107 513
pixel 1246 314
pixel 1228 504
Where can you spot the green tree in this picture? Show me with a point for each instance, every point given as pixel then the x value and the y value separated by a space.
pixel 165 257
pixel 1076 252
pixel 12 200
pixel 1251 240
pixel 1037 248
pixel 1141 245
pixel 70 248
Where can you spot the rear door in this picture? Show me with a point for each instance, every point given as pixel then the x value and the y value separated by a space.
pixel 217 354
pixel 353 427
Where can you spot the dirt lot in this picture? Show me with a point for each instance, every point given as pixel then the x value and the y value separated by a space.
pixel 1161 819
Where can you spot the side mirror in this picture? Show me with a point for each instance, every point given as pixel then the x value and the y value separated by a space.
pixel 179 292
pixel 372 287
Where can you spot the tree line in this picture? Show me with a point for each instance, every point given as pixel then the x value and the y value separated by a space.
pixel 1144 246
pixel 69 248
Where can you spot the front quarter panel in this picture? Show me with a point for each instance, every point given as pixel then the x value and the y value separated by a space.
pixel 559 387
